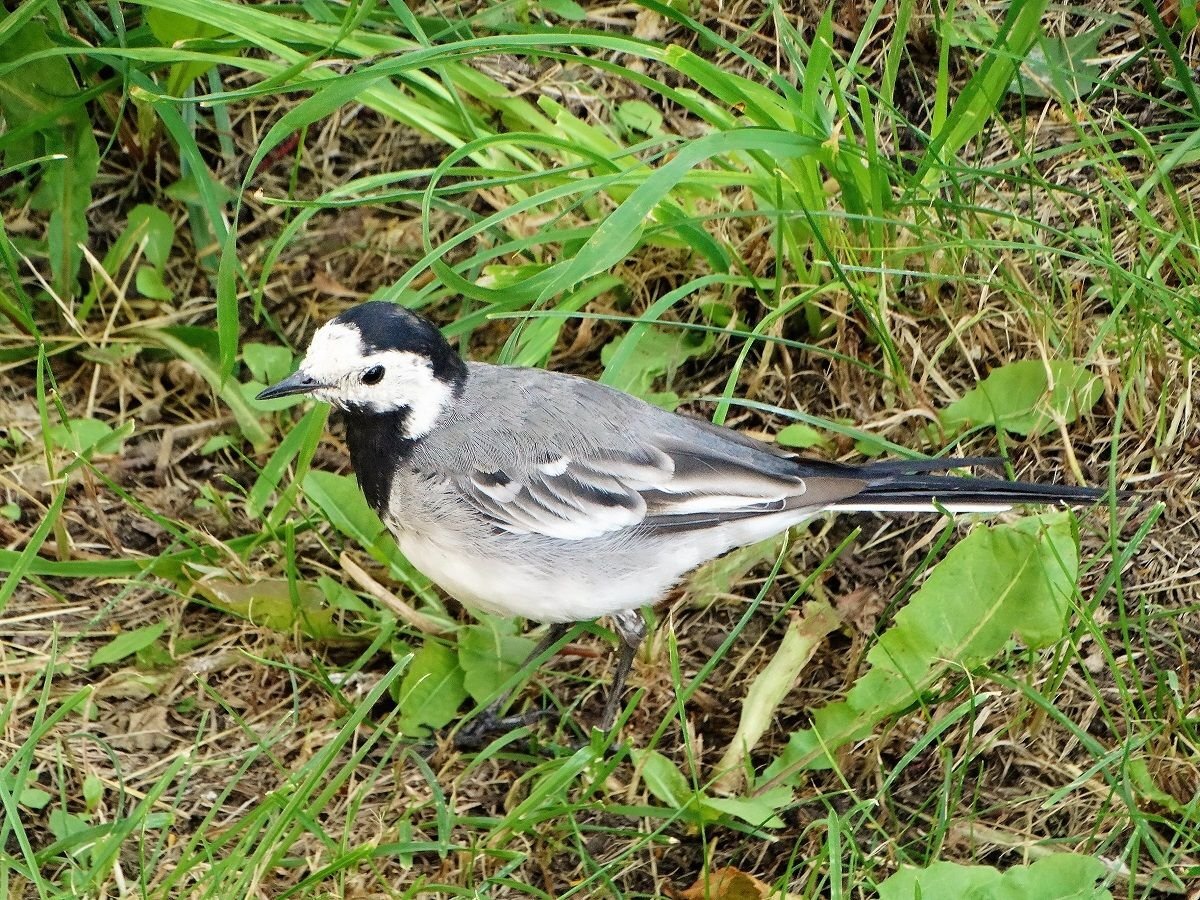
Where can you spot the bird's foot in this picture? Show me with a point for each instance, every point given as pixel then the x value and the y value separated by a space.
pixel 477 733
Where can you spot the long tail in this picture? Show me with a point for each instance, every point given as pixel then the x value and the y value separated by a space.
pixel 906 485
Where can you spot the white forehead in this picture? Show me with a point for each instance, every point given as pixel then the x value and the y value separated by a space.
pixel 335 348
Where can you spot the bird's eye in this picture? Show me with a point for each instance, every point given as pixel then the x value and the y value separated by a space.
pixel 373 375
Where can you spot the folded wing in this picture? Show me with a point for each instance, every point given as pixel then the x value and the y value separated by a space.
pixel 659 486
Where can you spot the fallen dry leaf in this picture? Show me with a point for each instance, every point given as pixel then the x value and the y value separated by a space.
pixel 147 729
pixel 729 883
pixel 861 608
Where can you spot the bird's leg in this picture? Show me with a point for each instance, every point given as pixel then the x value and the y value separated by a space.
pixel 473 735
pixel 631 629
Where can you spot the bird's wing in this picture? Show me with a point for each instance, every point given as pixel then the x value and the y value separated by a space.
pixel 660 484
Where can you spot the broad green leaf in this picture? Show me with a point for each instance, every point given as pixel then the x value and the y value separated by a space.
pixel 248 391
pixel 88 437
pixel 145 226
pixel 1056 67
pixel 490 653
pixel 112 355
pixel 1060 876
pixel 150 229
pixel 664 780
pixel 156 656
pixel 339 596
pixel 196 190
pixel 636 361
pixel 63 825
pixel 565 9
pixel 202 340
pixel 268 363
pixel 149 283
pixel 215 443
pixel 93 791
pixel 1027 397
pixel 800 435
pixel 942 879
pixel 127 643
pixel 34 798
pixel 432 689
pixel 66 191
pixel 718 312
pixel 1143 782
pixel 999 581
pixel 151 225
pixel 269 603
pixel 171 28
pixel 669 786
pixel 761 810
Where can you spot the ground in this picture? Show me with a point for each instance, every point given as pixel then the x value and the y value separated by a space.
pixel 161 744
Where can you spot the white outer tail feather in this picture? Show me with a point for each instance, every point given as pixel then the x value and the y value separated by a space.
pixel 927 506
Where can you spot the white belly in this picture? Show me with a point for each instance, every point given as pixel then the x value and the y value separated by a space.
pixel 508 589
pixel 573 591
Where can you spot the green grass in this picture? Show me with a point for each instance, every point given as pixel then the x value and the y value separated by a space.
pixel 924 231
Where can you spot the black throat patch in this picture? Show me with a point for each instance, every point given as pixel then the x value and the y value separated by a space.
pixel 378 447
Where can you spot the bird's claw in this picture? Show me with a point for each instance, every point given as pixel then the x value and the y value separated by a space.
pixel 476 734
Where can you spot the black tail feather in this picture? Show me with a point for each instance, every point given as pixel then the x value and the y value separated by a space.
pixel 917 466
pixel 901 481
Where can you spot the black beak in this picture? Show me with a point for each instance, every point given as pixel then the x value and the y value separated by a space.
pixel 297 383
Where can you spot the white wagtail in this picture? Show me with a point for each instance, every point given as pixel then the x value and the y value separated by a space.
pixel 523 492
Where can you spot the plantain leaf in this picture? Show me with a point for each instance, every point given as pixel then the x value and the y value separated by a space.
pixel 1027 397
pixel 664 780
pixel 635 361
pixel 800 435
pixel 432 689
pixel 88 437
pixel 671 787
pixel 490 653
pixel 998 581
pixel 1059 876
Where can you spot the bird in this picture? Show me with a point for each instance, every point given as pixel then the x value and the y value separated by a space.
pixel 549 496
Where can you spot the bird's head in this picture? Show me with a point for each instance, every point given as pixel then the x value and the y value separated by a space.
pixel 379 358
